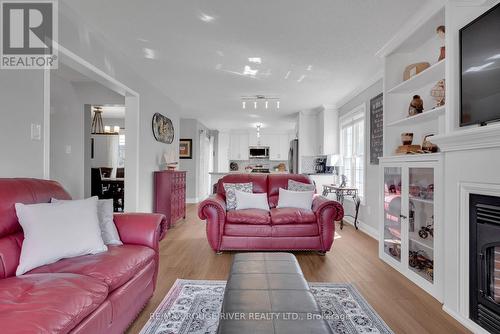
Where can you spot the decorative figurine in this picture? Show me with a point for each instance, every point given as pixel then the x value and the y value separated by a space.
pixel 438 93
pixel 420 261
pixel 407 138
pixel 427 146
pixel 416 106
pixel 441 34
pixel 425 231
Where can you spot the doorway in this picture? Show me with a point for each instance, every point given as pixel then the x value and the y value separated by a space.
pixel 107 153
pixel 78 174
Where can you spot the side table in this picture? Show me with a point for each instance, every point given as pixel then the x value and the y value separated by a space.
pixel 341 193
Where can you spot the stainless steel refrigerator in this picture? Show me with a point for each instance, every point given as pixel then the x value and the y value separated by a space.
pixel 293 157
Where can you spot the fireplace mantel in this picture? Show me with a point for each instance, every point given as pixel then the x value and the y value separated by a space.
pixel 469 138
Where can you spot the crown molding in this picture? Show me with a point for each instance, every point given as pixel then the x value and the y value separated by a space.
pixel 365 85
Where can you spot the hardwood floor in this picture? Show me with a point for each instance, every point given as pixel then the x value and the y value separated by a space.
pixel 185 253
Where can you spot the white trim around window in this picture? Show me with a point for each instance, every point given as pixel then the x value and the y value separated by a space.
pixel 352 129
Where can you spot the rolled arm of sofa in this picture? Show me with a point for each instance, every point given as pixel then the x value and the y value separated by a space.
pixel 327 213
pixel 146 229
pixel 213 210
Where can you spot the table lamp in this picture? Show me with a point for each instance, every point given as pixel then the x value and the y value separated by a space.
pixel 333 162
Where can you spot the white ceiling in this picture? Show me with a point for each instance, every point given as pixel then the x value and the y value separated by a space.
pixel 195 51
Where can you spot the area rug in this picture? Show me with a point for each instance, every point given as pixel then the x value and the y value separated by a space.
pixel 194 306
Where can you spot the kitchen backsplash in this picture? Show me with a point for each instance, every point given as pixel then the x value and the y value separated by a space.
pixel 265 163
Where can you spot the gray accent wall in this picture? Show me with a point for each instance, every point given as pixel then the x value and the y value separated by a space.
pixel 368 212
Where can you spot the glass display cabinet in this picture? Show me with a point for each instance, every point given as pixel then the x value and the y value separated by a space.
pixel 411 201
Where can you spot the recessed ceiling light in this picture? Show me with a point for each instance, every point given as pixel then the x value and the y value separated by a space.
pixel 288 74
pixel 255 60
pixel 249 71
pixel 302 77
pixel 149 53
pixel 206 18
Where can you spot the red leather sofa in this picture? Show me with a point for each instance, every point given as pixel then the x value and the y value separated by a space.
pixel 278 229
pixel 100 293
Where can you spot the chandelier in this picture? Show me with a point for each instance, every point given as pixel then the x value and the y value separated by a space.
pixel 260 100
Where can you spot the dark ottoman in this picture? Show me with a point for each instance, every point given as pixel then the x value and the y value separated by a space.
pixel 267 293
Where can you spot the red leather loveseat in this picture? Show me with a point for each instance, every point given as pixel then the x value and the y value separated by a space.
pixel 278 229
pixel 100 293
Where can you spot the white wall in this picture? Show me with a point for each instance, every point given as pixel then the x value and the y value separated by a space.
pixel 21 96
pixel 478 166
pixel 23 90
pixel 67 129
pixel 368 211
pixel 190 129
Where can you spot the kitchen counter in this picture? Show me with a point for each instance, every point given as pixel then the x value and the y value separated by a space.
pixel 244 172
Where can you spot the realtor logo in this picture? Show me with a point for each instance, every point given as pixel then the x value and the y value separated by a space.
pixel 29 30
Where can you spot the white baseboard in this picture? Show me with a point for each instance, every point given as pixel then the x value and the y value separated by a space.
pixel 467 323
pixel 193 200
pixel 367 229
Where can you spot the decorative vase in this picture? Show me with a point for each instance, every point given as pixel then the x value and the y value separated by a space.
pixel 416 106
pixel 407 138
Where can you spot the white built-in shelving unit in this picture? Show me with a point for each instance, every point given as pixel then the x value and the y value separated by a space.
pixel 411 186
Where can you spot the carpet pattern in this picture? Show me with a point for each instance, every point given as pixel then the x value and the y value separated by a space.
pixel 193 306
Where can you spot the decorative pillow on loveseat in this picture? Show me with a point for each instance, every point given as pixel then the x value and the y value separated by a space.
pixel 109 233
pixel 295 199
pixel 245 200
pixel 54 231
pixel 300 186
pixel 230 194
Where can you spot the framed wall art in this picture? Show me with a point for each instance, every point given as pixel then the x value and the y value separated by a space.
pixel 185 148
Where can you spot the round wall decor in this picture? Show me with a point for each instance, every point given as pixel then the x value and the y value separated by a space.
pixel 163 129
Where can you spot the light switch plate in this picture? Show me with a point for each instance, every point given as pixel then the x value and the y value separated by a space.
pixel 36 131
pixel 68 149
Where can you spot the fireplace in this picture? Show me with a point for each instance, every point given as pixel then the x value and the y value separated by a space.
pixel 485 261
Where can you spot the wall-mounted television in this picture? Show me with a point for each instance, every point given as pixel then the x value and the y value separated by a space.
pixel 480 69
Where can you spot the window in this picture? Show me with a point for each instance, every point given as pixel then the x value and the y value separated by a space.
pixel 121 150
pixel 352 148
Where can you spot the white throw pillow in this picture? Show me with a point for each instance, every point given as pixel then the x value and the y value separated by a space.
pixel 109 233
pixel 246 200
pixel 54 231
pixel 295 199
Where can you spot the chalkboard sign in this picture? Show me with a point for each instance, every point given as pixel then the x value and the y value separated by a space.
pixel 376 128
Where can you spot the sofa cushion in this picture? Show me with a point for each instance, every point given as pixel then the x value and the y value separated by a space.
pixel 247 230
pixel 48 303
pixel 249 216
pixel 291 215
pixel 277 181
pixel 295 230
pixel 114 267
pixel 259 182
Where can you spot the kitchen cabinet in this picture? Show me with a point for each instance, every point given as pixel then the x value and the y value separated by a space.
pixel 238 146
pixel 411 219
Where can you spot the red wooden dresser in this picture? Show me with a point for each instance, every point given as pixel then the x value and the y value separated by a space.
pixel 170 195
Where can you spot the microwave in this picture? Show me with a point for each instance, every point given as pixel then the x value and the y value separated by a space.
pixel 258 152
